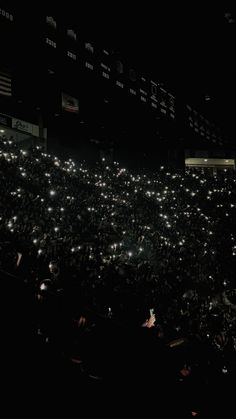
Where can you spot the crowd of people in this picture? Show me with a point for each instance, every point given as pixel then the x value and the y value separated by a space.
pixel 109 258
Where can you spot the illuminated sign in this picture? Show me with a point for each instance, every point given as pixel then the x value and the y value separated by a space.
pixel 106 75
pixel 71 55
pixel 105 67
pixel 88 65
pixel 51 43
pixel 118 83
pixel 6 14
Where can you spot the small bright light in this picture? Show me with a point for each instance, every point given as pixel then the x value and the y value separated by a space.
pixel 52 193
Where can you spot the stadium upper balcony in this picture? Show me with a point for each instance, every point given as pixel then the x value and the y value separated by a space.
pixel 62 62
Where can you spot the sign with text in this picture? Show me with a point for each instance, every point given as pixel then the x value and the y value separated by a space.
pixel 22 125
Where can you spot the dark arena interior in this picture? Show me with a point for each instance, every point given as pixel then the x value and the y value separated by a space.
pixel 117 211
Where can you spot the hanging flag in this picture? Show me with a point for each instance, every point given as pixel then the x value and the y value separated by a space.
pixel 69 103
pixel 5 84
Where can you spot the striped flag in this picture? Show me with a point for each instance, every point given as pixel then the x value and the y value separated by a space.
pixel 5 84
pixel 69 103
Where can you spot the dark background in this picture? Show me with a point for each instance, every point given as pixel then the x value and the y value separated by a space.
pixel 190 49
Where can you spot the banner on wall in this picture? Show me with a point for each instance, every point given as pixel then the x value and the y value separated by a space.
pixel 26 127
